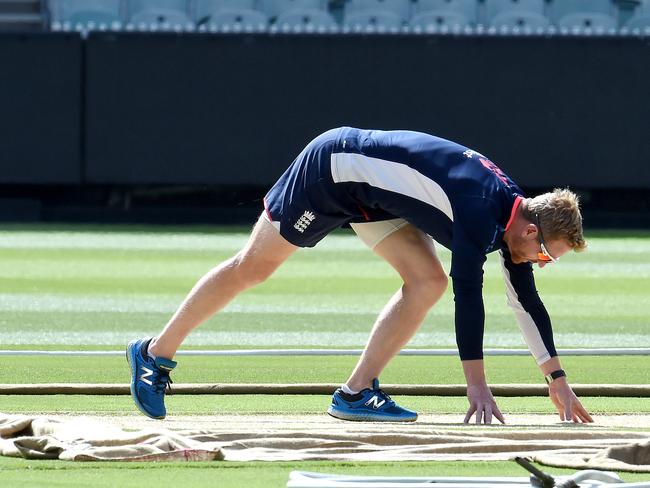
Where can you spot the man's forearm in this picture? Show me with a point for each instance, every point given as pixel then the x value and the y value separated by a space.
pixel 551 365
pixel 474 371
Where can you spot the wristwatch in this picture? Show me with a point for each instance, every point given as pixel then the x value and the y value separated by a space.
pixel 554 375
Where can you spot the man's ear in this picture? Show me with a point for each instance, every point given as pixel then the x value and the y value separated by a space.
pixel 530 231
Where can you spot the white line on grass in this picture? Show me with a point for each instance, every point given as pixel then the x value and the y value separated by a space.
pixel 312 304
pixel 321 339
pixel 638 351
pixel 144 241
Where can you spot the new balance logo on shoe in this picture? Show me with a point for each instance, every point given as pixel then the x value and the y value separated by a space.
pixel 304 221
pixel 375 402
pixel 145 376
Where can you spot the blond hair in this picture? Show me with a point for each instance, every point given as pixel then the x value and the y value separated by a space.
pixel 559 217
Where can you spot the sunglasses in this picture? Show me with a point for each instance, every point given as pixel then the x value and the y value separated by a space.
pixel 544 255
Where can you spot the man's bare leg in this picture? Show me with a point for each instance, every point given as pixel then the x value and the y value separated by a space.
pixel 265 251
pixel 411 253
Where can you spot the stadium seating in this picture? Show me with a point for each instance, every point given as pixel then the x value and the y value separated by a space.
pixel 201 6
pixel 516 15
pixel 235 20
pixel 520 23
pixel 640 21
pixel 306 20
pixel 400 8
pixel 273 8
pixel 468 8
pixel 579 17
pixel 584 16
pixel 584 22
pixel 205 9
pixel 85 14
pixel 444 15
pixel 158 14
pixel 439 22
pixel 493 8
pixel 369 22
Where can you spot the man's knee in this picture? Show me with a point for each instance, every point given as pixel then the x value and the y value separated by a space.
pixel 251 269
pixel 437 284
pixel 428 288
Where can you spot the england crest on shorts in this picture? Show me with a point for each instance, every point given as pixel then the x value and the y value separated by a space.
pixel 303 222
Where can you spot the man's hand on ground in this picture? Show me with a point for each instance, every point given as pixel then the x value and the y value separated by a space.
pixel 481 403
pixel 567 403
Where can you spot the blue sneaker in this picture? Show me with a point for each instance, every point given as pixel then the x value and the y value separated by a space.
pixel 372 405
pixel 149 378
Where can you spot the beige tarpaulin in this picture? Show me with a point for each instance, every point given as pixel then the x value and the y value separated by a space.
pixel 92 440
pixel 633 457
pixel 315 437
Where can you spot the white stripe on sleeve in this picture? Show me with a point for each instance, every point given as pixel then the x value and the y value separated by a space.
pixel 526 323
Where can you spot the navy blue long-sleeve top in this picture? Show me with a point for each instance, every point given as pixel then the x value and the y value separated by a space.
pixel 460 198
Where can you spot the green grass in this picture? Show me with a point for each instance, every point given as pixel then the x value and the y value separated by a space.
pixel 234 475
pixel 292 404
pixel 72 288
pixel 97 287
pixel 310 369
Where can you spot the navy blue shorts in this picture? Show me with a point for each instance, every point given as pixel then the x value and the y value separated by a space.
pixel 301 203
pixel 305 204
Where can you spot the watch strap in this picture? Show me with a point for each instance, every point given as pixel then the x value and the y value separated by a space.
pixel 553 375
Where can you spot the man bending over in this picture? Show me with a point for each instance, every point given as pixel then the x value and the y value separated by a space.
pixel 399 191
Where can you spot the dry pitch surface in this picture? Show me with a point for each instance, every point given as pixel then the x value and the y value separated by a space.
pixel 431 438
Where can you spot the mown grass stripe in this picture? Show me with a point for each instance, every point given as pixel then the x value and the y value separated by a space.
pixel 269 338
pixel 638 351
pixel 455 390
pixel 307 369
